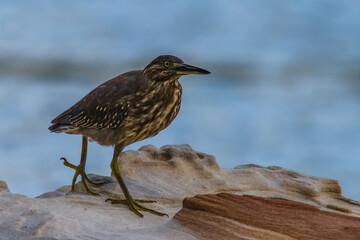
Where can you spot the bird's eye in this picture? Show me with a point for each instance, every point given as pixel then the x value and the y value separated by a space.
pixel 166 64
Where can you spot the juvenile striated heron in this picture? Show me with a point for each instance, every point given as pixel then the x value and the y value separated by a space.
pixel 128 108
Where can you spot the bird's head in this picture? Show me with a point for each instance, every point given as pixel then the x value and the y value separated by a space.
pixel 167 67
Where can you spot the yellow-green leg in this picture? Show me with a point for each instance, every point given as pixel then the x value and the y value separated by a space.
pixel 80 169
pixel 132 204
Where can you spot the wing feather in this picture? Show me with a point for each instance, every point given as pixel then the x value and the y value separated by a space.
pixel 104 107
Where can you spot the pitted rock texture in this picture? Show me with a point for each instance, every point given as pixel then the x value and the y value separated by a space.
pixel 167 175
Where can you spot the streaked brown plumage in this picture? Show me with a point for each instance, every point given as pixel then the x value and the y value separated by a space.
pixel 128 108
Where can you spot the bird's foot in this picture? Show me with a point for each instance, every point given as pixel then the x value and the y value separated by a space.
pixel 67 164
pixel 79 170
pixel 134 206
pixel 124 201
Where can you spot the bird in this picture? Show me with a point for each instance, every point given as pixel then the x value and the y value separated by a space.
pixel 123 110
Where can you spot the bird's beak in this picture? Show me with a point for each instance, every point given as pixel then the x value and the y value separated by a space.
pixel 185 69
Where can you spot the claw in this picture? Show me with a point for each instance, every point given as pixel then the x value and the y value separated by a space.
pixel 144 201
pixel 87 189
pixel 123 201
pixel 80 171
pixel 134 206
pixel 67 164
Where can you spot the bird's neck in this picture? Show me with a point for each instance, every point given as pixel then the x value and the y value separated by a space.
pixel 158 76
pixel 168 86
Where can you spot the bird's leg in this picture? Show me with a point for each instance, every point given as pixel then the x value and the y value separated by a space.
pixel 80 169
pixel 132 204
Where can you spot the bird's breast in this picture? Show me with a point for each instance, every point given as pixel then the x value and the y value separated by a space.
pixel 154 111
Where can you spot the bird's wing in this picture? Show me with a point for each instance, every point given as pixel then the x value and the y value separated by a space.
pixel 104 107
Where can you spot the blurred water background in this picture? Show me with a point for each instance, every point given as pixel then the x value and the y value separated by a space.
pixel 284 88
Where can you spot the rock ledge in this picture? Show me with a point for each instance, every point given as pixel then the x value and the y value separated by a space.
pixel 248 201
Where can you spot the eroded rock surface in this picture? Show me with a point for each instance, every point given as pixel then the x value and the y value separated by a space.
pixel 229 216
pixel 167 175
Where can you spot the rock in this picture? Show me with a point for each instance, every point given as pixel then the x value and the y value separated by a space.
pixel 3 187
pixel 228 216
pixel 168 175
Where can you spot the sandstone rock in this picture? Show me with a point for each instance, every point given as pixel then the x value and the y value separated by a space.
pixel 228 216
pixel 167 175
